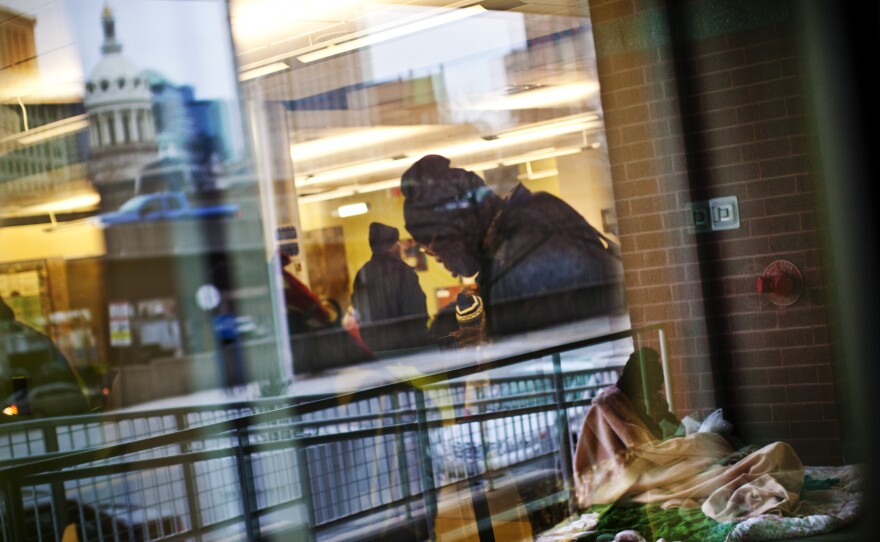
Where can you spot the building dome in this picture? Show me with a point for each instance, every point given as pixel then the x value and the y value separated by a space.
pixel 115 78
pixel 122 131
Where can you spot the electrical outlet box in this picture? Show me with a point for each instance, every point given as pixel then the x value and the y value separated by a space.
pixel 714 215
pixel 724 213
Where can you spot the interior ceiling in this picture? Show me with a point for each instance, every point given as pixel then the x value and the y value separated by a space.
pixel 269 31
pixel 266 30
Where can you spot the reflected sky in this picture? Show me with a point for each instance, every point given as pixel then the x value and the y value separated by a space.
pixel 186 41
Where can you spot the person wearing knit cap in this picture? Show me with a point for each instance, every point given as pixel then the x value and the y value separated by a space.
pixel 469 309
pixel 389 304
pixel 469 315
pixel 537 261
pixel 382 237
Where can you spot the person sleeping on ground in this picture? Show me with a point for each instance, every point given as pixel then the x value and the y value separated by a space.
pixel 632 448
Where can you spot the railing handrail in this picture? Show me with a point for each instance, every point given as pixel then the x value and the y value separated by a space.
pixel 74 458
pixel 206 408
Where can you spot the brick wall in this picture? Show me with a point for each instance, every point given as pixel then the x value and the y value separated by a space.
pixel 716 113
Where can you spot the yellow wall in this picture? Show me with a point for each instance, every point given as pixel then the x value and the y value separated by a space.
pixel 21 243
pixel 386 206
pixel 585 183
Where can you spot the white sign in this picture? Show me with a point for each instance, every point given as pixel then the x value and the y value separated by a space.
pixel 120 323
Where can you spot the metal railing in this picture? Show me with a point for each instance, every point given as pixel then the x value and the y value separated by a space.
pixel 366 464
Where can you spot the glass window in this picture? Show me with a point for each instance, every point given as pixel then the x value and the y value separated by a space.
pixel 520 179
pixel 429 270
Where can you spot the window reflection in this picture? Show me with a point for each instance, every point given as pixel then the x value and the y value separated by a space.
pixel 127 186
pixel 369 88
pixel 365 89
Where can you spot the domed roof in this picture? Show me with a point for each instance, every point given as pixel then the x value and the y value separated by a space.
pixel 115 78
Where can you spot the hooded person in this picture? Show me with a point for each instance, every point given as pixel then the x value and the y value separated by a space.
pixel 631 449
pixel 538 262
pixel 389 304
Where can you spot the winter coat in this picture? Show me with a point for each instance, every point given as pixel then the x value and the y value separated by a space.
pixel 390 305
pixel 544 264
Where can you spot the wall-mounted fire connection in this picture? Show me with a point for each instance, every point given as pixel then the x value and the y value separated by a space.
pixel 781 282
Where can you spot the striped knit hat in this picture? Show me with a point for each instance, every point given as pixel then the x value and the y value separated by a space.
pixel 468 309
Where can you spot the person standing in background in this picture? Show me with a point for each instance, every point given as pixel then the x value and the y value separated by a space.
pixel 389 304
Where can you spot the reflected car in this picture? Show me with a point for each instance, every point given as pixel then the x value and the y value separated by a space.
pixel 36 380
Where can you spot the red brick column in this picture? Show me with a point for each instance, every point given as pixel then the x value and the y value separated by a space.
pixel 716 114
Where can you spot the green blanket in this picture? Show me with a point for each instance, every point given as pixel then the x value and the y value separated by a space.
pixel 652 522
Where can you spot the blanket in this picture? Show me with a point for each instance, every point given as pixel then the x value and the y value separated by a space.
pixel 618 457
pixel 831 499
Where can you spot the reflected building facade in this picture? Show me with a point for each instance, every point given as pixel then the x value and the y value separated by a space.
pixel 122 131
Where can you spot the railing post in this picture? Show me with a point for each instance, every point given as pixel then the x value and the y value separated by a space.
pixel 189 481
pixel 426 463
pixel 59 500
pixel 566 457
pixel 245 467
pixel 401 453
pixel 664 361
pixel 305 480
pixel 14 509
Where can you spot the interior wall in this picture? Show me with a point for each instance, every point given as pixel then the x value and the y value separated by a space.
pixel 385 206
pixel 41 241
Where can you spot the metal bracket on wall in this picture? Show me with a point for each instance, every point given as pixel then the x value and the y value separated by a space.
pixel 713 215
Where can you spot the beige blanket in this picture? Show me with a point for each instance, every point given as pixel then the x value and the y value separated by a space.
pixel 617 457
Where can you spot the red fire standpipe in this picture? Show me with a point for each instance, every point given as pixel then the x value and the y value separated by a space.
pixel 781 282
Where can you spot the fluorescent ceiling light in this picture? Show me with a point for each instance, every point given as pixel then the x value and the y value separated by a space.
pixel 365 137
pixel 271 23
pixel 573 123
pixel 543 96
pixel 352 210
pixel 368 168
pixel 50 131
pixel 262 70
pixel 396 32
pixel 324 196
pixel 529 134
pixel 381 185
pixel 351 190
pixel 519 136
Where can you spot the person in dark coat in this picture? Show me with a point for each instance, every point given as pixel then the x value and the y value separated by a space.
pixel 389 303
pixel 642 382
pixel 538 262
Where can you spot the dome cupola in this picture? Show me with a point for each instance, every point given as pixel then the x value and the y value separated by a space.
pixel 115 78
